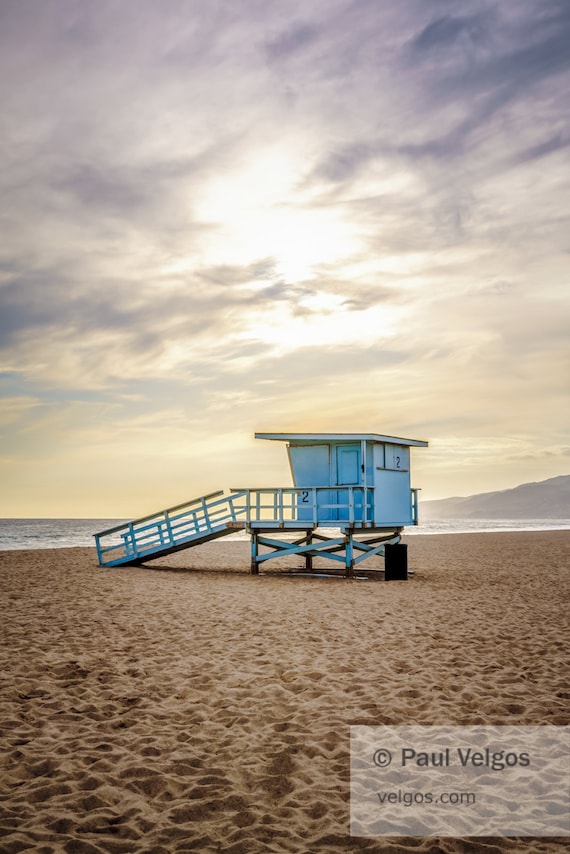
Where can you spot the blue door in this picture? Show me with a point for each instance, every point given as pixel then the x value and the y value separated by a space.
pixel 348 473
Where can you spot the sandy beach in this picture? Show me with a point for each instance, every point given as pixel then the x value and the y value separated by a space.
pixel 188 706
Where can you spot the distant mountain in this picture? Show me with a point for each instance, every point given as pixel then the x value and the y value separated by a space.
pixel 548 499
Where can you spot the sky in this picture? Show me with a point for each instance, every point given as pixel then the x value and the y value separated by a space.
pixel 227 217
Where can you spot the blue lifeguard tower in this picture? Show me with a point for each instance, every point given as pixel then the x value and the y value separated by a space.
pixel 351 499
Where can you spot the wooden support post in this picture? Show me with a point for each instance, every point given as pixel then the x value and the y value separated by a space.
pixel 349 557
pixel 254 569
pixel 309 557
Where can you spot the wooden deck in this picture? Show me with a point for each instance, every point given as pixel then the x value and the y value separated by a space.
pixel 270 510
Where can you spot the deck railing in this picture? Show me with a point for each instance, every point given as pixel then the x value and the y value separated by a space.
pixel 313 505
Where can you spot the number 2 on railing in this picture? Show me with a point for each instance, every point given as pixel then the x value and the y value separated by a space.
pixel 305 496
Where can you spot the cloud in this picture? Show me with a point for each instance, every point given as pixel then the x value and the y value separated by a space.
pixel 96 188
pixel 445 32
pixel 345 162
pixel 296 37
pixel 337 214
pixel 555 143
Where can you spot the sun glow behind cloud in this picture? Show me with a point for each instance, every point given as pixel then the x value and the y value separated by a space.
pixel 319 321
pixel 258 210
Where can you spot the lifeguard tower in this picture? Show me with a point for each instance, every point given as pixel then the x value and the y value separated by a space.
pixel 357 484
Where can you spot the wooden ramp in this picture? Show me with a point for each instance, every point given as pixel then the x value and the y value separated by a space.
pixel 189 524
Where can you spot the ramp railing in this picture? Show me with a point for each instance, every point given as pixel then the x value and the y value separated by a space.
pixel 168 530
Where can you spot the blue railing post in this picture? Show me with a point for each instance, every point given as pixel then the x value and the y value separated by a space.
pixel 169 527
pixel 132 539
pixel 415 514
pixel 206 514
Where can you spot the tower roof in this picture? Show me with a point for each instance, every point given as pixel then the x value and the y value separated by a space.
pixel 323 438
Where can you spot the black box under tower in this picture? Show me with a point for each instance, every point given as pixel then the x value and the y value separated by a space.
pixel 396 562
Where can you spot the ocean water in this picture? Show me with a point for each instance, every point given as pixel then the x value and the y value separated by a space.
pixel 472 526
pixel 67 533
pixel 51 533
